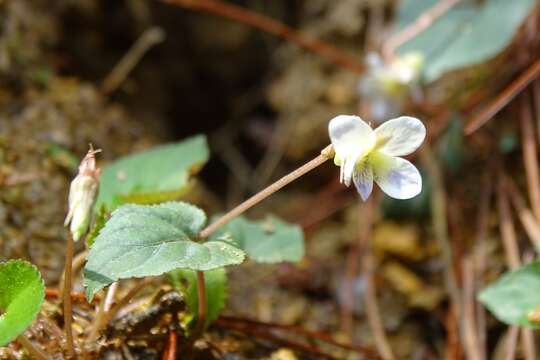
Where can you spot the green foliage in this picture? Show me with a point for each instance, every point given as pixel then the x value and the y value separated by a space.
pixel 514 295
pixel 99 222
pixel 466 35
pixel 216 291
pixel 21 294
pixel 149 240
pixel 152 176
pixel 267 241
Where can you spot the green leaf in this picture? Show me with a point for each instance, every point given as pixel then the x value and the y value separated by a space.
pixel 21 294
pixel 152 176
pixel 149 240
pixel 216 291
pixel 267 241
pixel 466 35
pixel 514 295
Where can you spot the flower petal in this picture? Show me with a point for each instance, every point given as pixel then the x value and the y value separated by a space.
pixel 347 170
pixel 400 136
pixel 363 180
pixel 351 136
pixel 398 178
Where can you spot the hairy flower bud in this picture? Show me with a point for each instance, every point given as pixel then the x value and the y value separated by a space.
pixel 82 195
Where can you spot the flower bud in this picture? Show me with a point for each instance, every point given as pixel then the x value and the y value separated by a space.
pixel 82 195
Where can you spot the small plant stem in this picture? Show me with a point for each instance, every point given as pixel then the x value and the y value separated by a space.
pixel 31 348
pixel 326 153
pixel 120 72
pixel 202 304
pixel 104 307
pixel 68 316
pixel 126 299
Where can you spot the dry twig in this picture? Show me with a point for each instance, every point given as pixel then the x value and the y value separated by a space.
pixel 274 27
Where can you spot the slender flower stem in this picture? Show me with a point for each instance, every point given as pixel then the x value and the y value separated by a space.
pixel 202 304
pixel 104 307
pixel 326 153
pixel 36 352
pixel 68 317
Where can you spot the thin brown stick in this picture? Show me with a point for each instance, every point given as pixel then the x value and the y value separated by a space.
pixel 509 238
pixel 480 257
pixel 440 226
pixel 506 227
pixel 511 342
pixel 297 330
pixel 120 72
pixel 263 334
pixel 126 299
pixel 326 154
pixel 274 27
pixel 526 217
pixel 370 293
pixel 507 95
pixel 36 352
pixel 68 315
pixel 100 317
pixel 530 158
pixel 470 339
pixel 421 23
pixel 536 100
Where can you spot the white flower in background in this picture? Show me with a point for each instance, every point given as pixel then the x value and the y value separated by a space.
pixel 366 155
pixel 387 86
pixel 82 195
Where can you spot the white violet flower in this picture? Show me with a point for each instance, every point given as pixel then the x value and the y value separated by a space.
pixel 82 195
pixel 366 155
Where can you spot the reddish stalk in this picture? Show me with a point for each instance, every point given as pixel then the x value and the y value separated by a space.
pixel 170 351
pixel 274 27
pixel 68 315
pixel 507 95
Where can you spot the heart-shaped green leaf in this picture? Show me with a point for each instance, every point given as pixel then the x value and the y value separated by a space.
pixel 152 176
pixel 21 294
pixel 468 34
pixel 267 241
pixel 149 240
pixel 514 295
